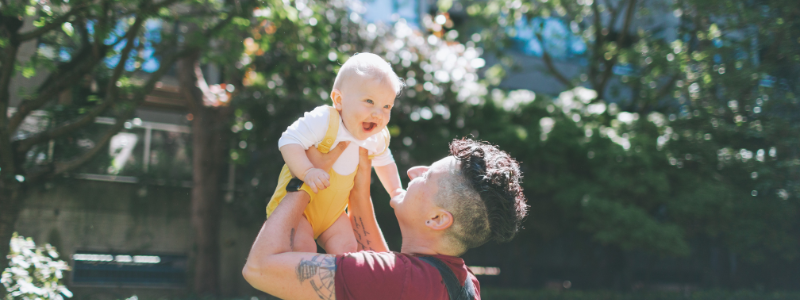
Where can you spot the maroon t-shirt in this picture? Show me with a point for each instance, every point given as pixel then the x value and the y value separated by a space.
pixel 393 275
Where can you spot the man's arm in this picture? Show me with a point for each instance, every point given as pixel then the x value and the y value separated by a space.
pixel 361 212
pixel 272 267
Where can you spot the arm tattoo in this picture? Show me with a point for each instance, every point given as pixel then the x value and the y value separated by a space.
pixel 320 271
pixel 361 237
pixel 291 240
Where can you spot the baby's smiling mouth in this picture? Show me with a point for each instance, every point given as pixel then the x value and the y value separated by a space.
pixel 368 126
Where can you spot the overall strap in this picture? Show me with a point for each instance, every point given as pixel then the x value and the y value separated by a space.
pixel 454 289
pixel 333 131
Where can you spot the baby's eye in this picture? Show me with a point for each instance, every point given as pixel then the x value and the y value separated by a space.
pixel 370 101
pixel 387 106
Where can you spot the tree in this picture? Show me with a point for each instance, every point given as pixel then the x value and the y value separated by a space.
pixel 77 46
pixel 93 59
pixel 689 133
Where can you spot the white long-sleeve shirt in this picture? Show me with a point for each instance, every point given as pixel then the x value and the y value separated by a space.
pixel 310 130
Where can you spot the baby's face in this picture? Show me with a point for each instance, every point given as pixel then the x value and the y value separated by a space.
pixel 365 105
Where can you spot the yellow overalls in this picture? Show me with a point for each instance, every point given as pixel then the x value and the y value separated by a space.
pixel 322 214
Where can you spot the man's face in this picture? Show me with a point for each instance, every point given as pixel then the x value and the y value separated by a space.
pixel 365 105
pixel 414 206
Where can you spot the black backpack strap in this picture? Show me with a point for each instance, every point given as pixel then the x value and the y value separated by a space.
pixel 456 290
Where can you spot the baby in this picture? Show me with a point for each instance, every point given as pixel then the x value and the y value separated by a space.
pixel 363 95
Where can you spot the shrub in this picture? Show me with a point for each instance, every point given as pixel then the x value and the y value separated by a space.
pixel 34 272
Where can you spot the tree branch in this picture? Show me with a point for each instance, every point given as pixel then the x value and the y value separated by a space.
pixel 84 32
pixel 613 11
pixel 139 96
pixel 621 38
pixel 100 28
pixel 88 118
pixel 598 43
pixel 548 61
pixel 664 90
pixel 111 96
pixel 50 26
pixel 112 89
pixel 221 24
pixel 55 83
pixel 8 27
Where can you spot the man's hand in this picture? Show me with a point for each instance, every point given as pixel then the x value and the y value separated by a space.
pixel 325 161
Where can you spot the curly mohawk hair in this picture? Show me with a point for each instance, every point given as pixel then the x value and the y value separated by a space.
pixel 495 176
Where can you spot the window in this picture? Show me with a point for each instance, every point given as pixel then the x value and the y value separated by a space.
pixel 559 41
pixel 160 151
pixel 389 11
pixel 125 269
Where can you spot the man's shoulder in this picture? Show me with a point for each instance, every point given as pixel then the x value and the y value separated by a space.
pixel 374 274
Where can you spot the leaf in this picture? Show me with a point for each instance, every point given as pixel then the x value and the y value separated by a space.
pixel 67 27
pixel 28 71
pixel 445 5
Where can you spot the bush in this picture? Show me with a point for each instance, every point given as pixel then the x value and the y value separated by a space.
pixel 34 272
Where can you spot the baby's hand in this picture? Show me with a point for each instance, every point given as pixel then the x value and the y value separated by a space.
pixel 397 192
pixel 316 179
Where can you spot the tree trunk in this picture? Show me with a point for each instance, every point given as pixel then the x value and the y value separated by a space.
pixel 209 140
pixel 10 205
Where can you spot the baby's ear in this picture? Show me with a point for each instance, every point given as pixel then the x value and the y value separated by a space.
pixel 336 96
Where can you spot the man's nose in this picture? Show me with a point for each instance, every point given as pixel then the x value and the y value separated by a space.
pixel 417 171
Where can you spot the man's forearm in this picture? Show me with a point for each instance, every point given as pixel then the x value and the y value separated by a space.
pixel 361 212
pixel 278 231
pixel 365 226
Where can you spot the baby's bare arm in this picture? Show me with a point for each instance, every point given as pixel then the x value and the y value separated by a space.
pixel 296 159
pixel 300 166
pixel 390 179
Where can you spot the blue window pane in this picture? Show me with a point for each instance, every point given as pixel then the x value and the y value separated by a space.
pixel 64 55
pixel 152 34
pixel 389 11
pixel 558 40
pixel 151 65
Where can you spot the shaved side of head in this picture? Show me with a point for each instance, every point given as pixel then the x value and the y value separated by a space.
pixel 483 194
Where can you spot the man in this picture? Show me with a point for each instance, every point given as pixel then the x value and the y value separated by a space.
pixel 460 202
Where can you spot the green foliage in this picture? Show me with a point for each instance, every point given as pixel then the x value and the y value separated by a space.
pixel 709 148
pixel 34 272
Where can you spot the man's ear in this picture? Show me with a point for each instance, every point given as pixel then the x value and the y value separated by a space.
pixel 440 219
pixel 336 96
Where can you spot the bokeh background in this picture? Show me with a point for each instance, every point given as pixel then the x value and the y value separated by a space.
pixel 659 139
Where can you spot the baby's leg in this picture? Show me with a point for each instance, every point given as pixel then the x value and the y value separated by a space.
pixel 303 239
pixel 338 238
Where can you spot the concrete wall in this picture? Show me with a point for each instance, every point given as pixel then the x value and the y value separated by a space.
pixel 81 215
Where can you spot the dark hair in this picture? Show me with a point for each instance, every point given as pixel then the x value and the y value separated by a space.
pixel 495 176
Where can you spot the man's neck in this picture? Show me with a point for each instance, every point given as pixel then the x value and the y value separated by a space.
pixel 421 246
